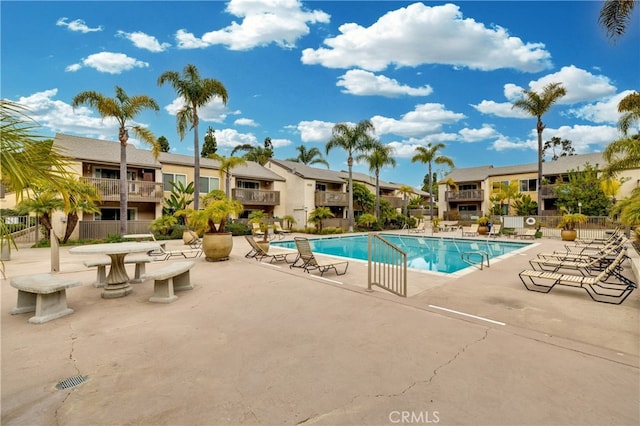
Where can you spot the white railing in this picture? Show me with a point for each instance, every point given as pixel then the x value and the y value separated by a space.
pixel 387 266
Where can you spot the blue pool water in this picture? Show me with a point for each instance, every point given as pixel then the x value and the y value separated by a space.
pixel 423 253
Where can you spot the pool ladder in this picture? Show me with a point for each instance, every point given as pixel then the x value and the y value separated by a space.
pixel 467 258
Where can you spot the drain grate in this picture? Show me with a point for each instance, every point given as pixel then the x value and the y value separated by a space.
pixel 71 382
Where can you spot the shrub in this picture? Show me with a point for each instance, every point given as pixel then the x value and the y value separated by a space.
pixel 238 228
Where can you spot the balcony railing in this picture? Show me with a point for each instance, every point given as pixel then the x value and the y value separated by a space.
pixel 396 202
pixel 465 195
pixel 138 190
pixel 256 197
pixel 548 191
pixel 332 198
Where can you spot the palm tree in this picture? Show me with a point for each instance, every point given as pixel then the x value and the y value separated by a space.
pixel 196 93
pixel 352 139
pixel 615 15
pixel 311 156
pixel 226 164
pixel 123 109
pixel 536 105
pixel 406 191
pixel 624 153
pixel 429 155
pixel 256 154
pixel 379 156
pixel 83 197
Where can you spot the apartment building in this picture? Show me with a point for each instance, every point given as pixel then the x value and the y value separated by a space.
pixel 469 197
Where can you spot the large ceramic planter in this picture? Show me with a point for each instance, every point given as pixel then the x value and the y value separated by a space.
pixel 483 230
pixel 568 234
pixel 217 247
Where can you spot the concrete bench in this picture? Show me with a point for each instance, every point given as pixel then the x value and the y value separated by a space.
pixel 44 294
pixel 101 279
pixel 173 277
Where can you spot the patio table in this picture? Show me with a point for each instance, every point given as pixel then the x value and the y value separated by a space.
pixel 117 283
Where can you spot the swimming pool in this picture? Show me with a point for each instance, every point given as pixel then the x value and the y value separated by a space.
pixel 423 253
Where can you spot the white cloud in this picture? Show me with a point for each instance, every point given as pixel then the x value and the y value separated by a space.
pixel 584 139
pixel 264 22
pixel 109 62
pixel 245 122
pixel 279 143
pixel 419 34
pixel 187 40
pixel 486 132
pixel 145 41
pixel 360 82
pixel 60 117
pixel 603 111
pixel 423 120
pixel 500 109
pixel 581 85
pixel 77 25
pixel 214 111
pixel 230 138
pixel 315 131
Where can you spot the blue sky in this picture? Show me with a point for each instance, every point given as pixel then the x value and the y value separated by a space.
pixel 421 72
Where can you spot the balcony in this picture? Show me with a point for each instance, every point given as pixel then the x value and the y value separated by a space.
pixel 332 198
pixel 548 191
pixel 396 202
pixel 138 190
pixel 465 195
pixel 256 197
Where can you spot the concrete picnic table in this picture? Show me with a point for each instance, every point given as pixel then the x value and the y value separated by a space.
pixel 117 284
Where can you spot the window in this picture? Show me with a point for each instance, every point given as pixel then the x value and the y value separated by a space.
pixel 467 186
pixel 248 184
pixel 208 184
pixel 467 208
pixel 172 177
pixel 321 187
pixel 497 186
pixel 528 185
pixel 114 214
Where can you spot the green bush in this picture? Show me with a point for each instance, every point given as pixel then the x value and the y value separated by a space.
pixel 238 228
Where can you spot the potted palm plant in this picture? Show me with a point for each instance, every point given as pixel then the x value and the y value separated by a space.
pixel 568 225
pixel 483 225
pixel 211 221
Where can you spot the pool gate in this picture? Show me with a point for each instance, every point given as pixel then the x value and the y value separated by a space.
pixel 387 266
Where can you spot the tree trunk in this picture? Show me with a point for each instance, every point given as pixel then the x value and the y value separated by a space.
pixel 378 194
pixel 196 163
pixel 350 211
pixel 540 128
pixel 430 193
pixel 72 221
pixel 124 136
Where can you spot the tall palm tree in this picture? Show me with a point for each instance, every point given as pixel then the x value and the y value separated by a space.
pixel 352 139
pixel 196 93
pixel 629 106
pixel 377 157
pixel 429 155
pixel 615 15
pixel 309 157
pixel 257 154
pixel 226 164
pixel 536 105
pixel 625 153
pixel 123 109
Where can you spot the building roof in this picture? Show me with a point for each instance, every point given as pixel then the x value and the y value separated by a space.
pixel 371 180
pixel 102 152
pixel 308 172
pixel 549 168
pixel 108 152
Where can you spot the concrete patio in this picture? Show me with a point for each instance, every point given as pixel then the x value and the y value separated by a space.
pixel 262 344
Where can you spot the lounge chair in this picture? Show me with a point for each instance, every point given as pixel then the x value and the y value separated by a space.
pixel 279 230
pixel 258 253
pixel 470 231
pixel 308 261
pixel 588 252
pixel 599 288
pixel 526 233
pixel 495 231
pixel 163 254
pixel 585 265
pixel 418 229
